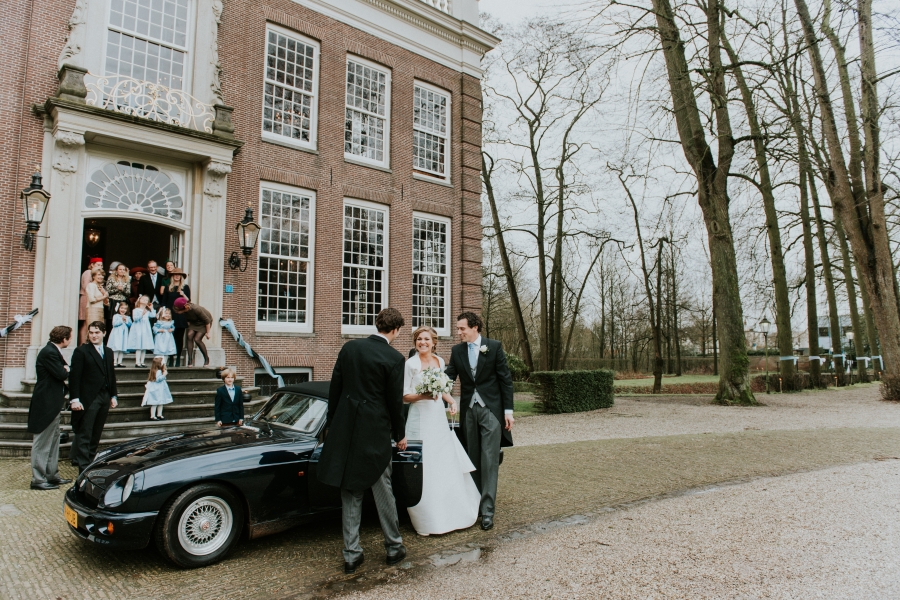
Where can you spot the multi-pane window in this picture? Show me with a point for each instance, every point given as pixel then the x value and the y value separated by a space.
pixel 148 40
pixel 283 299
pixel 431 114
pixel 431 241
pixel 364 264
pixel 291 84
pixel 367 125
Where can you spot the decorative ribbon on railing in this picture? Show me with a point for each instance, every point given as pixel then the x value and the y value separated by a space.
pixel 228 324
pixel 880 361
pixel 19 320
pixel 793 358
pixel 837 356
pixel 812 358
pixel 865 358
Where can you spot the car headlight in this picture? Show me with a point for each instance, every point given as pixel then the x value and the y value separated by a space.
pixel 119 491
pixel 129 486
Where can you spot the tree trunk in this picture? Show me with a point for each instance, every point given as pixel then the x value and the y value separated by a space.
pixel 871 334
pixel 828 276
pixel 783 334
pixel 524 343
pixel 865 223
pixel 712 190
pixel 675 315
pixel 855 322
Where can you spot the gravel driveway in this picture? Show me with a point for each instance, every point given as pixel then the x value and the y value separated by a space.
pixel 833 533
pixel 649 416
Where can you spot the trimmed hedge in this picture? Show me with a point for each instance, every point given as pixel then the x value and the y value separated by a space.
pixel 890 388
pixel 574 391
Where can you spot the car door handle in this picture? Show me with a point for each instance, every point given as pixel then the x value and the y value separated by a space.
pixel 409 454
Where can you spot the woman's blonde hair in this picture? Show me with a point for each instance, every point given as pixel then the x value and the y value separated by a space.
pixel 158 364
pixel 172 287
pixel 431 331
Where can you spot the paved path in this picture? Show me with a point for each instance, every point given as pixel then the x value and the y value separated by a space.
pixel 543 485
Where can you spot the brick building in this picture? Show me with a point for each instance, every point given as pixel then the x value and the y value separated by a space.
pixel 351 128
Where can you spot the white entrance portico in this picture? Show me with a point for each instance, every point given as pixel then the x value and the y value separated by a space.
pixel 85 150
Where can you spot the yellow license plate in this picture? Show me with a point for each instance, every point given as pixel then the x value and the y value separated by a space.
pixel 71 516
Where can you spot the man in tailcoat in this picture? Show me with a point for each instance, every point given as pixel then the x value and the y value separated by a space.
pixel 47 400
pixel 486 406
pixel 92 388
pixel 364 408
pixel 150 284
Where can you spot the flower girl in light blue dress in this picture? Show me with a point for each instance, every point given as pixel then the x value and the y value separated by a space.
pixel 140 338
pixel 118 337
pixel 157 394
pixel 164 340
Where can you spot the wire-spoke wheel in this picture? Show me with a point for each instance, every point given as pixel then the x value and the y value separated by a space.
pixel 204 525
pixel 200 525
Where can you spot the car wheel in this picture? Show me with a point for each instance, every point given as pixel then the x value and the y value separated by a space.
pixel 200 525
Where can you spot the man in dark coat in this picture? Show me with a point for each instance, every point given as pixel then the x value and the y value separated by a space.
pixel 364 408
pixel 47 400
pixel 92 388
pixel 151 284
pixel 486 405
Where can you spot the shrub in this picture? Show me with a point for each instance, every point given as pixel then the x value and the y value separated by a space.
pixel 517 367
pixel 524 387
pixel 800 381
pixel 574 391
pixel 890 388
pixel 704 387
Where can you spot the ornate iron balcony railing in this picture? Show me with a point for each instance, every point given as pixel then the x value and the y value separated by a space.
pixel 149 101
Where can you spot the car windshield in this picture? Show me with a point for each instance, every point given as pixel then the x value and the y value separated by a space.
pixel 295 411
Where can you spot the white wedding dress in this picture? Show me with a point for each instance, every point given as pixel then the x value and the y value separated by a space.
pixel 449 497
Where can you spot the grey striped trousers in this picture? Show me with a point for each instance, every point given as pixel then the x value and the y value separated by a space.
pixel 351 504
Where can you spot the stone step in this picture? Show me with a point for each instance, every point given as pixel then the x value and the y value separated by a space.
pixel 17 432
pixel 130 373
pixel 132 414
pixel 129 399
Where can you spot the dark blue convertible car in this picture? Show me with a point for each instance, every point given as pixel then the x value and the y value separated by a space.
pixel 194 493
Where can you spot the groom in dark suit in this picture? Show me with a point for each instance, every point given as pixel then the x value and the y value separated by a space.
pixel 486 415
pixel 92 389
pixel 364 408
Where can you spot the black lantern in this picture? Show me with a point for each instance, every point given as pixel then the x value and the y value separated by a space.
pixel 34 199
pixel 247 232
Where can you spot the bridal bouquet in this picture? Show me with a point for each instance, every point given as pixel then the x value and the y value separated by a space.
pixel 434 383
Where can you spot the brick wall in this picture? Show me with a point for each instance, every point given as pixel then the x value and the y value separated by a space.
pixel 32 43
pixel 242 52
pixel 33 33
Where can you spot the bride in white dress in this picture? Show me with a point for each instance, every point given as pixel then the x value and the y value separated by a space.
pixel 449 496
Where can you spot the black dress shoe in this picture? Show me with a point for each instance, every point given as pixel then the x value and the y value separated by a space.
pixel 59 481
pixel 350 567
pixel 487 523
pixel 393 559
pixel 44 485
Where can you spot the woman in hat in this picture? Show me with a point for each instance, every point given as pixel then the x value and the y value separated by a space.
pixel 199 321
pixel 176 289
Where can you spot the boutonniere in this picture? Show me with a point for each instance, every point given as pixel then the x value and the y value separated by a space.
pixel 483 349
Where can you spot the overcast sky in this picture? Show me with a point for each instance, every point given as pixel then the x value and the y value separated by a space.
pixel 511 10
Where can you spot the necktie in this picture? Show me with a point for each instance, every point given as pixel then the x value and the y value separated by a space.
pixel 473 356
pixel 100 350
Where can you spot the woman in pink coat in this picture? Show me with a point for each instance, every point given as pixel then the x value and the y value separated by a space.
pixel 86 278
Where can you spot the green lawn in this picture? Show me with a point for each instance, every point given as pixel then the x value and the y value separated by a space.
pixel 667 380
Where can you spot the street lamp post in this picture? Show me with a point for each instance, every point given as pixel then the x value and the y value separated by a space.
pixel 764 326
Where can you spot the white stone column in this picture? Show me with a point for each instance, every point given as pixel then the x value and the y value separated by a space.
pixel 59 253
pixel 209 240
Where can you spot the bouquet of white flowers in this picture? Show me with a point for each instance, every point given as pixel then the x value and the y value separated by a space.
pixel 434 383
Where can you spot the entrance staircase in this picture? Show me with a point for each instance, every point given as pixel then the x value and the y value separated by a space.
pixel 194 391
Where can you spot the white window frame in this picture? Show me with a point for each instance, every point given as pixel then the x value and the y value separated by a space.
pixel 442 331
pixel 385 288
pixel 311 260
pixel 355 158
pixel 187 83
pixel 314 104
pixel 445 178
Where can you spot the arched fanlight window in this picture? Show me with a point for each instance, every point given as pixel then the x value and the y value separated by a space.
pixel 134 187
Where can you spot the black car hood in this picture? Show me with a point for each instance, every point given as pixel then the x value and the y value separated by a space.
pixel 148 452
